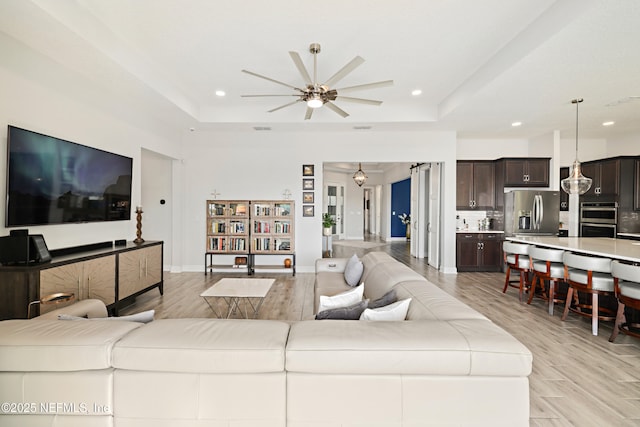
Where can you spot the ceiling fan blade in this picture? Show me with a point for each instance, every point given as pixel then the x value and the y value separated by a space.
pixel 366 86
pixel 359 100
pixel 335 108
pixel 285 105
pixel 255 96
pixel 271 80
pixel 301 68
pixel 355 62
pixel 308 114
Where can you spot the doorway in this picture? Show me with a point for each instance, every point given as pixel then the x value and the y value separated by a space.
pixel 335 202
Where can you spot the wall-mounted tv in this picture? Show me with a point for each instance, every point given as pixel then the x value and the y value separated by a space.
pixel 53 181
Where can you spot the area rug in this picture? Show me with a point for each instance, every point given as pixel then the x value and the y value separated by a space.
pixel 358 244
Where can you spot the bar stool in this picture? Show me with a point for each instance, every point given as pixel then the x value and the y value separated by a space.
pixel 626 279
pixel 591 275
pixel 547 264
pixel 516 256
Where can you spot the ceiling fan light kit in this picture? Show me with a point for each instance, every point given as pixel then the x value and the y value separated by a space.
pixel 316 95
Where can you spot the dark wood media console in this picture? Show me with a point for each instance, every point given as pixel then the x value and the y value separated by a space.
pixel 113 274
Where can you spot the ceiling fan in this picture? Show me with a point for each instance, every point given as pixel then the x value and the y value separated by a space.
pixel 314 94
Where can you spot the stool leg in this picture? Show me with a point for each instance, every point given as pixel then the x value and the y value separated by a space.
pixel 552 295
pixel 506 280
pixel 521 289
pixel 620 318
pixel 594 314
pixel 532 288
pixel 567 303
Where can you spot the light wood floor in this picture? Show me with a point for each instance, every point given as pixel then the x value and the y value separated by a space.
pixel 577 379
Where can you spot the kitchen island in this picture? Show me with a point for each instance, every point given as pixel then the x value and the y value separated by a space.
pixel 620 249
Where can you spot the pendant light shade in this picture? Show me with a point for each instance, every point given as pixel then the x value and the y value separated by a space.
pixel 576 183
pixel 359 177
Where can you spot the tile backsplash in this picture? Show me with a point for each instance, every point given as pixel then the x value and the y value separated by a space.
pixel 468 220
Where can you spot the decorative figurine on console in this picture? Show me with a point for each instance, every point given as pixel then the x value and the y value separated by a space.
pixel 139 238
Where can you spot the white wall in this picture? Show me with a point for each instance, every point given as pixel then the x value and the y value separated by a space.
pixel 34 106
pixel 491 149
pixel 253 165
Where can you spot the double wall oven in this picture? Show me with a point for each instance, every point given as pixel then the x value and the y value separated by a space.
pixel 598 219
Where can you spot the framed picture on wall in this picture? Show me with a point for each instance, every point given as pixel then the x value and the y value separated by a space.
pixel 308 210
pixel 307 170
pixel 307 197
pixel 307 184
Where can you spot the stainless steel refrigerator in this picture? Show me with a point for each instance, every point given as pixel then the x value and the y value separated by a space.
pixel 531 212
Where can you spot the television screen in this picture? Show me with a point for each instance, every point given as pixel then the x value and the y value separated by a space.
pixel 53 181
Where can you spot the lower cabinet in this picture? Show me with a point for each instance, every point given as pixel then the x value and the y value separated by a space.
pixel 94 278
pixel 139 269
pixel 479 251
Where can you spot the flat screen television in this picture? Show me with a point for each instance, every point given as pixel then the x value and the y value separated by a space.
pixel 53 181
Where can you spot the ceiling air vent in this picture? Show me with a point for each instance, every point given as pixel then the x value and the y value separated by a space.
pixel 261 128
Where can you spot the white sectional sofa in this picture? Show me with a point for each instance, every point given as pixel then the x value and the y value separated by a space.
pixel 445 365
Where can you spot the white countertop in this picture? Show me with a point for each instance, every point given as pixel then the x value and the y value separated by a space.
pixel 480 231
pixel 636 235
pixel 622 249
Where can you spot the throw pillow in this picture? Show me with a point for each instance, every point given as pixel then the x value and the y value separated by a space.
pixel 344 299
pixel 386 299
pixel 352 312
pixel 142 317
pixel 396 311
pixel 353 271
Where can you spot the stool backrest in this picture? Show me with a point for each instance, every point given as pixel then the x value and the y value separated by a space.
pixel 602 265
pixel 515 248
pixel 627 272
pixel 544 254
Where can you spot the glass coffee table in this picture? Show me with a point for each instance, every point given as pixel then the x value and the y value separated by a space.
pixel 251 291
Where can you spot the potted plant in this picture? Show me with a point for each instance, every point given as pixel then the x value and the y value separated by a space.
pixel 327 223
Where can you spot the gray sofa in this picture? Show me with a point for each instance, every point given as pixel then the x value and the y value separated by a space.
pixel 445 365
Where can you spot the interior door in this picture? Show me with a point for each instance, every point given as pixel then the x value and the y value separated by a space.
pixel 334 205
pixel 433 229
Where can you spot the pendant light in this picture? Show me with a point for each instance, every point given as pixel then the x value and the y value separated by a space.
pixel 359 177
pixel 576 183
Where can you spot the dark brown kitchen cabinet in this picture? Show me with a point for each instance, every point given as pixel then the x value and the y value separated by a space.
pixel 478 251
pixel 564 196
pixel 530 172
pixel 636 195
pixel 605 175
pixel 475 185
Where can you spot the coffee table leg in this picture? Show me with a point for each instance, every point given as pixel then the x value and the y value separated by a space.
pixel 211 307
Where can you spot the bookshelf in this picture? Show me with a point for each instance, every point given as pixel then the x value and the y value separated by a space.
pixel 261 230
pixel 227 233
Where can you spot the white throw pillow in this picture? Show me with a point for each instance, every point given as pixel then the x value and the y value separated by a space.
pixel 344 299
pixel 396 311
pixel 353 271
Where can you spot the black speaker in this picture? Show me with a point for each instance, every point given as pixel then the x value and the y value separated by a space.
pixel 23 249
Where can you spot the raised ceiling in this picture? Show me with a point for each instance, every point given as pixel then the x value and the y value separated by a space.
pixel 480 65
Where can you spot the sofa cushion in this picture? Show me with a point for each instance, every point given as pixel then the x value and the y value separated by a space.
pixel 371 259
pixel 51 345
pixel 343 299
pixel 204 346
pixel 385 276
pixel 352 312
pixel 431 302
pixel 328 284
pixel 142 317
pixel 396 311
pixel 432 347
pixel 353 271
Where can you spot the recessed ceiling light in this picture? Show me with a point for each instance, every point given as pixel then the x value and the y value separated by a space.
pixel 416 92
pixel 220 93
pixel 516 124
pixel 610 123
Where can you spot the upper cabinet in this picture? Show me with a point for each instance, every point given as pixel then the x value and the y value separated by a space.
pixel 475 185
pixel 530 172
pixel 605 175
